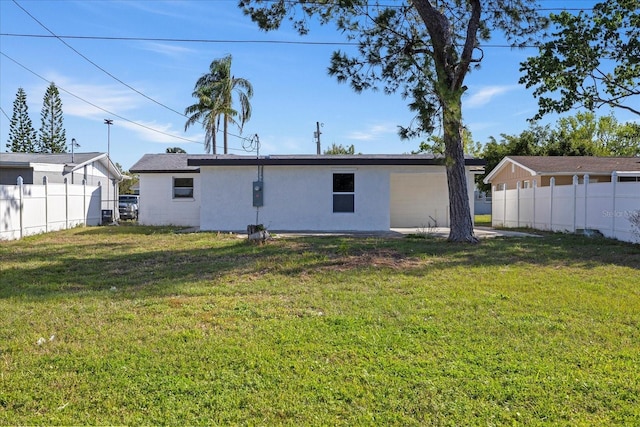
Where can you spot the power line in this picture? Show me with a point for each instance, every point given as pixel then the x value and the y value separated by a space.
pixel 94 64
pixel 53 35
pixel 107 111
pixel 4 113
pixel 181 40
pixel 169 40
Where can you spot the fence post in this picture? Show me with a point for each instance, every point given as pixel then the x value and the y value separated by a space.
pixel 552 184
pixel 534 203
pixel 586 200
pixel 575 201
pixel 518 204
pixel 66 204
pixel 504 205
pixel 45 182
pixel 614 183
pixel 20 183
pixel 84 201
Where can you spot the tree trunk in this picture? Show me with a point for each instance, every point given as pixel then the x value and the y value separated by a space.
pixel 461 226
pixel 451 69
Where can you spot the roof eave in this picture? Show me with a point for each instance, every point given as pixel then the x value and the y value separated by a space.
pixel 322 161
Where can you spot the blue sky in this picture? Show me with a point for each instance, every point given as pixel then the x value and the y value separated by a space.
pixel 292 88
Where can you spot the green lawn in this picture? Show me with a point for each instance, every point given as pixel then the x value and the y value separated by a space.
pixel 483 220
pixel 138 325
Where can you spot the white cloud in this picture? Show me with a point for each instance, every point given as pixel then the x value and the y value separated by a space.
pixel 485 94
pixel 93 100
pixel 160 133
pixel 167 49
pixel 373 132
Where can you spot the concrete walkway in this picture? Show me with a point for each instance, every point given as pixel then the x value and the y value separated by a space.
pixel 441 232
pixel 480 232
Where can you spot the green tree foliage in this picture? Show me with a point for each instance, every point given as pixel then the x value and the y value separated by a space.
pixel 129 180
pixel 591 61
pixel 53 137
pixel 435 145
pixel 340 149
pixel 22 135
pixel 215 92
pixel 175 150
pixel 423 49
pixel 528 143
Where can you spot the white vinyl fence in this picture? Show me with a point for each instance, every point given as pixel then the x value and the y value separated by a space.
pixel 606 207
pixel 27 209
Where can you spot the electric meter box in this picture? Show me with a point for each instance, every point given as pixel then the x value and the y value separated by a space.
pixel 258 193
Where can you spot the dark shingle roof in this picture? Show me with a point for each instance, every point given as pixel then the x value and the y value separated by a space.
pixel 168 162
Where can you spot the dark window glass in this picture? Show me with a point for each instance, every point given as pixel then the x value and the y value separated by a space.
pixel 343 203
pixel 343 183
pixel 183 187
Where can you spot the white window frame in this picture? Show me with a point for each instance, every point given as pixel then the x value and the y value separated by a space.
pixel 188 195
pixel 343 193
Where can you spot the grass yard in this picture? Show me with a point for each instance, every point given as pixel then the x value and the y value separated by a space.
pixel 138 325
pixel 483 220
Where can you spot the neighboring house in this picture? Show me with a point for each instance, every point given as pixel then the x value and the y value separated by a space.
pixel 296 192
pixel 78 168
pixel 565 193
pixel 528 171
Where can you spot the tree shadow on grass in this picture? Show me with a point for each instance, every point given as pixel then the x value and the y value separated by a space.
pixel 132 261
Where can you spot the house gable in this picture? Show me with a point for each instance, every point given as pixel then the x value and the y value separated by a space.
pixel 539 170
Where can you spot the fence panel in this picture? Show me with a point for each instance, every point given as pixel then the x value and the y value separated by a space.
pixel 31 209
pixel 606 207
pixel 562 209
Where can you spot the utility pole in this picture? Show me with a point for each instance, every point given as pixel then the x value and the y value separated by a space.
pixel 316 135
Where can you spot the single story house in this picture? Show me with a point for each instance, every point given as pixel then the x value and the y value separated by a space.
pixel 296 192
pixel 77 168
pixel 568 194
pixel 529 171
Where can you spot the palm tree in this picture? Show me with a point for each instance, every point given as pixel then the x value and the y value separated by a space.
pixel 173 150
pixel 214 92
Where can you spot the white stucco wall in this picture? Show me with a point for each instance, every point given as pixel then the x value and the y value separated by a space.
pixel 295 198
pixel 157 205
pixel 300 198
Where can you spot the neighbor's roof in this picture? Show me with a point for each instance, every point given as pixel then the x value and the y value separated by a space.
pixel 569 165
pixel 67 160
pixel 25 159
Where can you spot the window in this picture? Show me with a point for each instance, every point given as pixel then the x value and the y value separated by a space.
pixel 629 179
pixel 526 184
pixel 343 192
pixel 501 187
pixel 182 188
